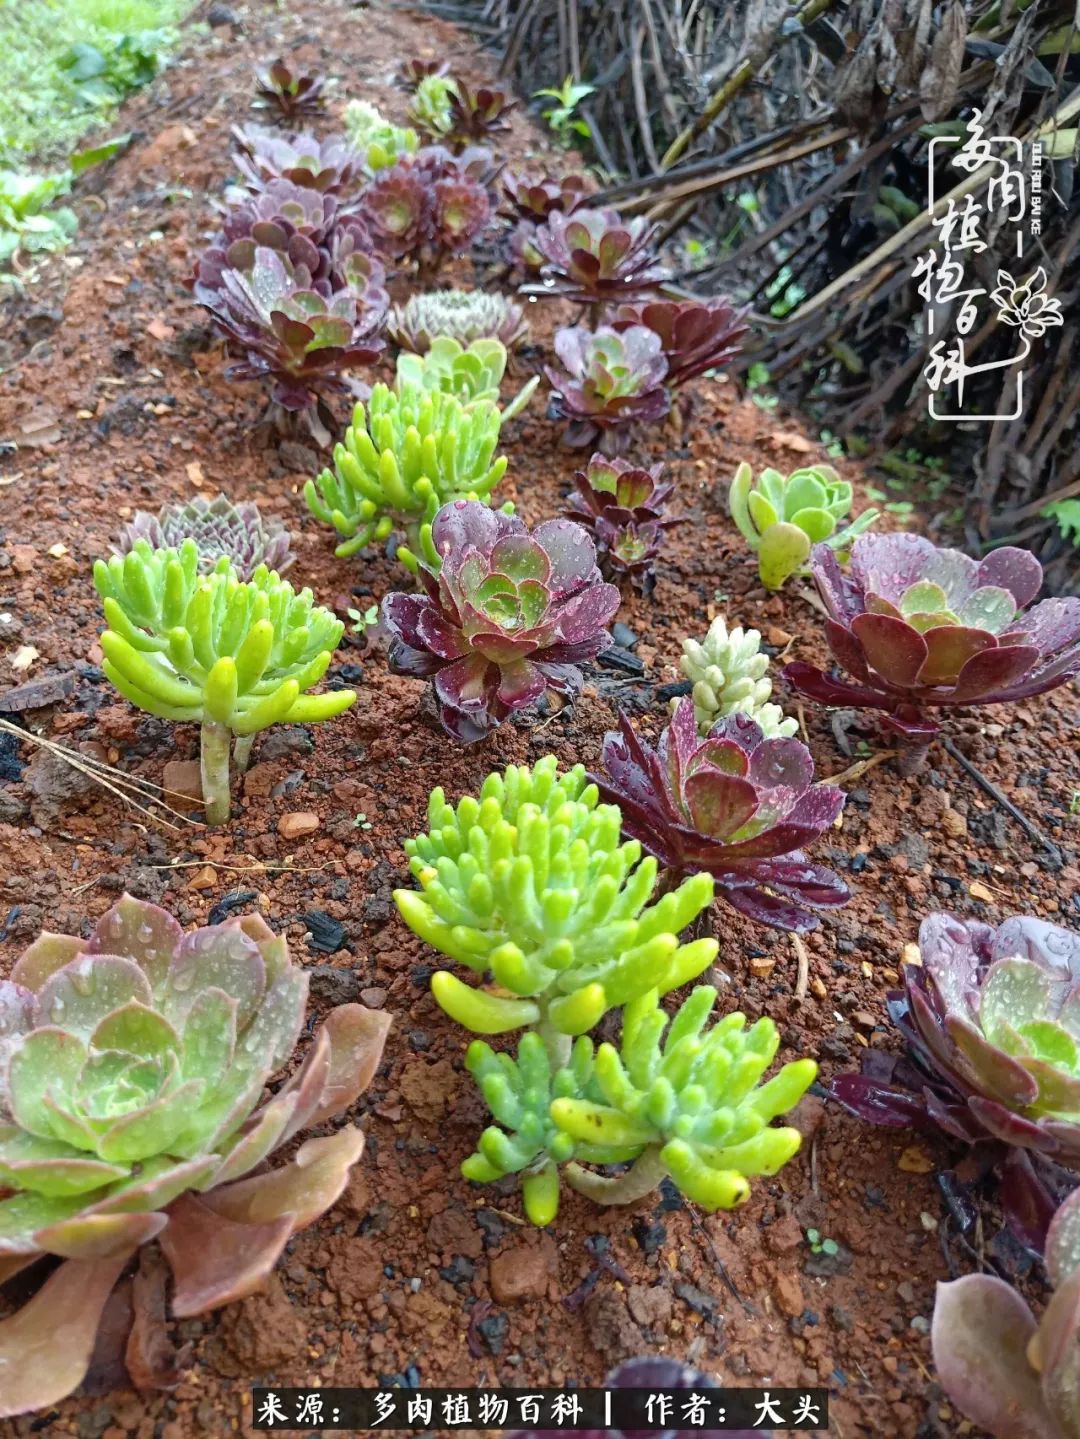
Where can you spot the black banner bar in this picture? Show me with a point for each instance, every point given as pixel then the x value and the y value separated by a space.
pixel 648 1411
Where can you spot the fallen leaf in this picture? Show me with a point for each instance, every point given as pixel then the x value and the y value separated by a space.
pixel 978 890
pixel 195 474
pixel 24 657
pixel 157 329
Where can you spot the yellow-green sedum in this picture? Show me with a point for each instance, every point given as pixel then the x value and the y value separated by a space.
pixel 730 676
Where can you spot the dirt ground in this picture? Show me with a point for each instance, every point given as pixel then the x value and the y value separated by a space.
pixel 113 389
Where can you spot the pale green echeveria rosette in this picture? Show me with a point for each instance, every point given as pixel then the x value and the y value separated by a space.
pixel 232 656
pixel 473 373
pixel 691 1101
pixel 524 1139
pixel 406 454
pixel 532 882
pixel 379 140
pixel 132 1071
pixel 783 517
pixel 730 676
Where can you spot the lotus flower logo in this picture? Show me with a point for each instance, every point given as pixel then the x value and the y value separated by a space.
pixel 1026 306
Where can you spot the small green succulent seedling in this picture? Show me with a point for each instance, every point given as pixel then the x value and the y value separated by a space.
pixel 430 107
pixel 472 373
pixel 820 1245
pixel 532 882
pixel 783 518
pixel 381 142
pixel 689 1106
pixel 730 676
pixel 206 648
pixel 406 454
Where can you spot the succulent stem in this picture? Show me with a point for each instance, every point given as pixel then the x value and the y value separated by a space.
pixel 214 764
pixel 643 1176
pixel 242 751
pixel 558 1045
pixel 911 758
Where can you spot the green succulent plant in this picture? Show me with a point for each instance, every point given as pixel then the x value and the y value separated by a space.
pixel 524 1139
pixel 532 882
pixel 381 142
pixel 689 1106
pixel 132 1108
pixel 405 455
pixel 690 1101
pixel 430 107
pixel 730 676
pixel 472 373
pixel 782 518
pixel 234 657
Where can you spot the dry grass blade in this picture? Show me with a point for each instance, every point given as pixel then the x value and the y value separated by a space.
pixel 129 789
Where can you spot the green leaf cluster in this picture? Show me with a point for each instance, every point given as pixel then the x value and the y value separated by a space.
pixel 191 646
pixel 407 453
pixel 532 882
pixel 783 517
pixel 472 373
pixel 530 886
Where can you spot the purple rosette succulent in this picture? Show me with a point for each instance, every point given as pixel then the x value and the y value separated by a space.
pixel 328 249
pixel 288 93
pixel 918 628
pixel 333 166
pixel 623 505
pixel 696 335
pixel 290 334
pixel 652 1372
pixel 508 615
pixel 991 1024
pixel 535 196
pixel 596 256
pixel 736 805
pixel 608 382
pixel 429 205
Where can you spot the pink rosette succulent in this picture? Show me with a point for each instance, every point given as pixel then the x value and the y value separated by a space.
pixel 594 255
pixel 609 382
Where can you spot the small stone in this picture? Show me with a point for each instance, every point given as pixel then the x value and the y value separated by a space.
pixel 183 779
pixel 623 635
pixel 524 1272
pixel 864 1019
pixel 298 824
pixel 260 780
pixel 205 878
pixel 915 1160
pixel 954 824
pixel 778 637
pixel 374 998
pixel 788 1292
pixel 650 1305
pixel 763 966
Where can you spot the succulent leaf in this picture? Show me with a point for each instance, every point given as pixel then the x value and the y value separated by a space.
pixel 595 255
pixel 623 505
pixel 696 335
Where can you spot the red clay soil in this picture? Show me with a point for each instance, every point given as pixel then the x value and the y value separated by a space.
pixel 417 1276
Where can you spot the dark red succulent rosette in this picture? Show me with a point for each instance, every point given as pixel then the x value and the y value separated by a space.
pixel 622 505
pixel 289 93
pixel 595 255
pixel 950 1081
pixel 430 204
pixel 509 615
pixel 696 335
pixel 980 646
pixel 534 197
pixel 299 339
pixel 477 112
pixel 734 804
